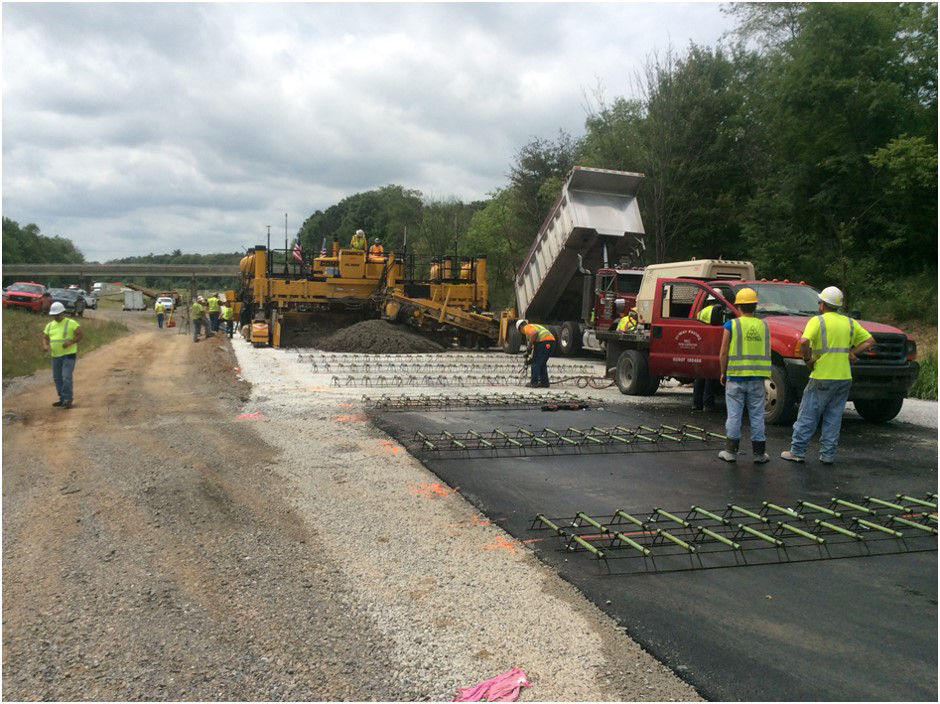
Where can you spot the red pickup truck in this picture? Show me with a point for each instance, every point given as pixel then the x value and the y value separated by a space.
pixel 676 344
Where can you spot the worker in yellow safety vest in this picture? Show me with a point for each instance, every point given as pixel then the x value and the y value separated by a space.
pixel 198 315
pixel 214 310
pixel 228 315
pixel 60 338
pixel 745 363
pixel 829 344
pixel 540 343
pixel 628 322
pixel 358 241
pixel 159 309
pixel 703 390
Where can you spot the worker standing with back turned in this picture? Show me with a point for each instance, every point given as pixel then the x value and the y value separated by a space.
pixel 829 344
pixel 214 310
pixel 159 310
pixel 60 338
pixel 703 390
pixel 745 363
pixel 540 343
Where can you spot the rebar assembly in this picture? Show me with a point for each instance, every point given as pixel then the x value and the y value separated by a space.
pixel 521 441
pixel 478 402
pixel 737 536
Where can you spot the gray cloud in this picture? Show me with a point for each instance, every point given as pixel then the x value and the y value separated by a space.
pixel 133 128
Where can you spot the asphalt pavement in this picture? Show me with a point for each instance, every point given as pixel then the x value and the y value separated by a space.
pixel 804 625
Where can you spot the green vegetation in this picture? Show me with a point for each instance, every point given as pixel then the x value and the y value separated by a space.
pixel 24 245
pixel 926 384
pixel 22 340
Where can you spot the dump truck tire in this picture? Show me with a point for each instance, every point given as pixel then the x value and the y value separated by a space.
pixel 513 341
pixel 569 340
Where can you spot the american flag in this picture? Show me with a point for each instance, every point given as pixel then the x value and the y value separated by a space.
pixel 297 254
pixel 323 248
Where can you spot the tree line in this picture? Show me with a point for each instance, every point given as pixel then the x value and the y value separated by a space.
pixel 806 144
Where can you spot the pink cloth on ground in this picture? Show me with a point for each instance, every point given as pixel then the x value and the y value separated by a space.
pixel 502 688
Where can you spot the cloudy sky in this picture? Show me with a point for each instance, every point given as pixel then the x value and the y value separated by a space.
pixel 135 128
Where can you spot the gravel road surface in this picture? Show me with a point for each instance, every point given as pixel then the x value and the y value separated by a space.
pixel 181 535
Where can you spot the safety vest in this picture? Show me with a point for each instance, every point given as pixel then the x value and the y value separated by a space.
pixel 213 304
pixel 749 351
pixel 358 242
pixel 832 336
pixel 541 334
pixel 705 315
pixel 196 311
pixel 377 249
pixel 228 313
pixel 159 309
pixel 626 324
pixel 58 333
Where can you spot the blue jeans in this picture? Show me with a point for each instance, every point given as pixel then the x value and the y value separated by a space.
pixel 213 321
pixel 197 326
pixel 159 320
pixel 62 369
pixel 540 354
pixel 749 394
pixel 823 400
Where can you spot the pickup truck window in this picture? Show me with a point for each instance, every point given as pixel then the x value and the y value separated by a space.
pixel 678 299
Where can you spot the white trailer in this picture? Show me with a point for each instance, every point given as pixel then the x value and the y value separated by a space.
pixel 134 300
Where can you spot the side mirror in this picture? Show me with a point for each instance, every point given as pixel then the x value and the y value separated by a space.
pixel 855 314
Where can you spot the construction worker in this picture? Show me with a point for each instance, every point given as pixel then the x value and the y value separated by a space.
pixel 358 241
pixel 228 315
pixel 540 343
pixel 60 338
pixel 214 310
pixel 159 310
pixel 197 312
pixel 745 363
pixel 620 307
pixel 628 322
pixel 376 250
pixel 703 390
pixel 829 344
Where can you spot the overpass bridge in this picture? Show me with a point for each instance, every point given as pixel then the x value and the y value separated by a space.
pixel 86 273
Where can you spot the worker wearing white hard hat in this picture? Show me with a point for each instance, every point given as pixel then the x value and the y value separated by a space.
pixel 358 241
pixel 60 338
pixel 197 314
pixel 540 343
pixel 829 344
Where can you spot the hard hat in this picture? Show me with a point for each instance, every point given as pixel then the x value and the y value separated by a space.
pixel 746 295
pixel 832 296
pixel 360 232
pixel 56 308
pixel 200 299
pixel 632 312
pixel 519 324
pixel 376 240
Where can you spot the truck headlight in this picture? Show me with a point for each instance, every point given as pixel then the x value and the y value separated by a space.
pixel 911 350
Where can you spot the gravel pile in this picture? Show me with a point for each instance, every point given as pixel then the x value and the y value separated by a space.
pixel 377 337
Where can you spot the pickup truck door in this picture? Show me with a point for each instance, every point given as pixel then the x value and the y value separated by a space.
pixel 682 346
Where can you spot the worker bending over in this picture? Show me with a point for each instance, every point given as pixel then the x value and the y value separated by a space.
pixel 540 343
pixel 745 363
pixel 358 241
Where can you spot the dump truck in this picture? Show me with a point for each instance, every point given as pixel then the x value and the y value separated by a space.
pixel 580 262
pixel 672 342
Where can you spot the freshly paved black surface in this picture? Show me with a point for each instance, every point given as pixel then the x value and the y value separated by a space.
pixel 846 629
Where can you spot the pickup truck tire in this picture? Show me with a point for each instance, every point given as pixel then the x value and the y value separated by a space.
pixel 653 385
pixel 879 410
pixel 632 374
pixel 569 341
pixel 780 400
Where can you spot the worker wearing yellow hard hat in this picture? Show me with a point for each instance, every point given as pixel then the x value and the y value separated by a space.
pixel 745 362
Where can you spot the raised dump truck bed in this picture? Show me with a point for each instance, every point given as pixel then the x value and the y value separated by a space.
pixel 596 208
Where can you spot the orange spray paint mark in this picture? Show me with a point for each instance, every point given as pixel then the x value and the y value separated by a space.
pixel 391 446
pixel 350 418
pixel 345 405
pixel 501 542
pixel 430 491
pixel 477 520
pixel 253 414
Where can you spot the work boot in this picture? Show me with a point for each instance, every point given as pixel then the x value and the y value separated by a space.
pixel 66 404
pixel 790 457
pixel 57 403
pixel 760 451
pixel 730 453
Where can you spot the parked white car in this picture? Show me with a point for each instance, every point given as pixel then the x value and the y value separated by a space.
pixel 91 299
pixel 167 303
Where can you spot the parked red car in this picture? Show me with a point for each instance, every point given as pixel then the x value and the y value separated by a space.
pixel 29 295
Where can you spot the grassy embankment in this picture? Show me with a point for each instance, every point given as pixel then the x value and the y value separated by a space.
pixel 22 340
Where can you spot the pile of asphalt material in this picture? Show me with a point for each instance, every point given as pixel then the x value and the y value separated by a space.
pixel 376 337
